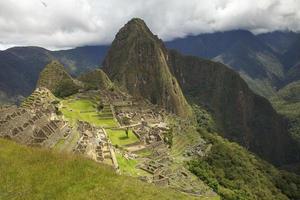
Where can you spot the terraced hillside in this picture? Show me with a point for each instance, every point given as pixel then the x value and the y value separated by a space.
pixel 86 110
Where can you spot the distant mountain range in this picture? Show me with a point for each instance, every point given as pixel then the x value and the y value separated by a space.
pixel 267 61
pixel 20 67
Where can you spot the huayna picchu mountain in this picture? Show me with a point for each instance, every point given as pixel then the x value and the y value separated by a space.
pixel 138 62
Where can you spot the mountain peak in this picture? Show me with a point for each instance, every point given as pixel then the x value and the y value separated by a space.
pixel 135 28
pixel 137 21
pixel 57 80
pixel 137 63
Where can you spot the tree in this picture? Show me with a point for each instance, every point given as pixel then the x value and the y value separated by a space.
pixel 126 132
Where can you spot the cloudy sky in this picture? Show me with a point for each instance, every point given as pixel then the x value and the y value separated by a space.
pixel 59 24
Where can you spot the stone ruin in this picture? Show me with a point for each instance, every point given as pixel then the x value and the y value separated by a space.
pixel 139 115
pixel 31 128
pixel 33 123
pixel 95 144
pixel 146 122
pixel 38 100
pixel 163 172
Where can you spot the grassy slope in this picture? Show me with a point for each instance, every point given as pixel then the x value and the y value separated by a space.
pixel 29 173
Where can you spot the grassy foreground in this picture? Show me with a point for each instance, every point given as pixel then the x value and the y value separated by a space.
pixel 32 173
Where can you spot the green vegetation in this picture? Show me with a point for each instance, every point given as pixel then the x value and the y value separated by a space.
pixel 287 108
pixel 242 116
pixel 57 80
pixel 129 166
pixel 96 79
pixel 85 110
pixel 119 137
pixel 32 173
pixel 204 119
pixel 287 103
pixel 235 173
pixel 262 87
pixel 66 88
pixel 144 153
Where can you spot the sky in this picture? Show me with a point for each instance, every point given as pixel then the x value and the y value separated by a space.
pixel 62 24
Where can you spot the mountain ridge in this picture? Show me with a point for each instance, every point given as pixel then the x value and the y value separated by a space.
pixel 243 116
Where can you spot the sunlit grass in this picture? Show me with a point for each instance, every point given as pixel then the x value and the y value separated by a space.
pixel 119 137
pixel 85 110
pixel 128 166
pixel 33 173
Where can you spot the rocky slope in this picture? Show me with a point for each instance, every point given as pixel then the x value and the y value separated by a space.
pixel 137 62
pixel 241 115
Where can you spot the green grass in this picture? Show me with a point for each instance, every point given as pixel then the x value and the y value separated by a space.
pixel 128 167
pixel 85 110
pixel 118 137
pixel 144 152
pixel 33 173
pixel 59 144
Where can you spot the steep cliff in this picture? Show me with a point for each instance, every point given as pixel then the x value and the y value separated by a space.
pixel 137 62
pixel 241 115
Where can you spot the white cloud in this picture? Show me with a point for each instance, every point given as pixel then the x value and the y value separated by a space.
pixel 69 23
